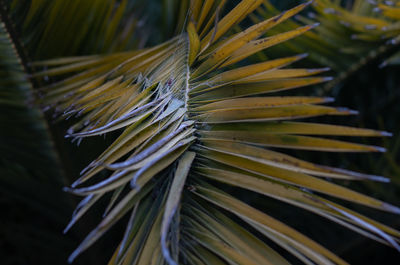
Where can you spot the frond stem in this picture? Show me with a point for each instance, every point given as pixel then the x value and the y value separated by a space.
pixel 9 27
pixel 187 87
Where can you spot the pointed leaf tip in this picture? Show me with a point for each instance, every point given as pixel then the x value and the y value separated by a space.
pixel 391 208
pixel 383 64
pixel 315 25
pixel 386 134
pixel 329 99
pixel 328 78
pixel 376 10
pixel 302 56
pixel 73 256
pixel 318 70
pixel 379 179
pixel 379 149
pixel 308 3
pixel 76 183
pixel 68 227
pixel 348 111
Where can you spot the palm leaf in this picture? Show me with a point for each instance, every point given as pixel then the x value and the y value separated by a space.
pixel 59 28
pixel 192 111
pixel 30 174
pixel 357 32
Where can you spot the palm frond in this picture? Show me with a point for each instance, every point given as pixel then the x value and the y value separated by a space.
pixel 60 28
pixel 193 112
pixel 356 32
pixel 30 172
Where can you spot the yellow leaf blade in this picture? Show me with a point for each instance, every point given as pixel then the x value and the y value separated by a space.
pixel 289 141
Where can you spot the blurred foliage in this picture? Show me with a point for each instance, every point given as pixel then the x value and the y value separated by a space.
pixel 33 206
pixel 62 28
pixel 349 35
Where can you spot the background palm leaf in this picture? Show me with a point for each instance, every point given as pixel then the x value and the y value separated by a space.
pixel 77 27
pixel 30 171
pixel 357 31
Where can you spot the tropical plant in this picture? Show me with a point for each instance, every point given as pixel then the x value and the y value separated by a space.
pixel 195 123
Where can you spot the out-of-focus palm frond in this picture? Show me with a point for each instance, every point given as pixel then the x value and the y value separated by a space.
pixel 192 113
pixel 350 34
pixel 30 174
pixel 54 28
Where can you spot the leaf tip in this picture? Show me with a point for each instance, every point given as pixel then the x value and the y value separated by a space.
pixel 68 227
pixel 379 149
pixel 391 208
pixel 76 183
pixel 347 111
pixel 376 10
pixel 386 134
pixel 318 70
pixel 329 99
pixel 308 3
pixel 66 189
pixel 302 56
pixel 73 256
pixel 379 178
pixel 315 25
pixel 327 78
pixel 354 37
pixel 383 64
